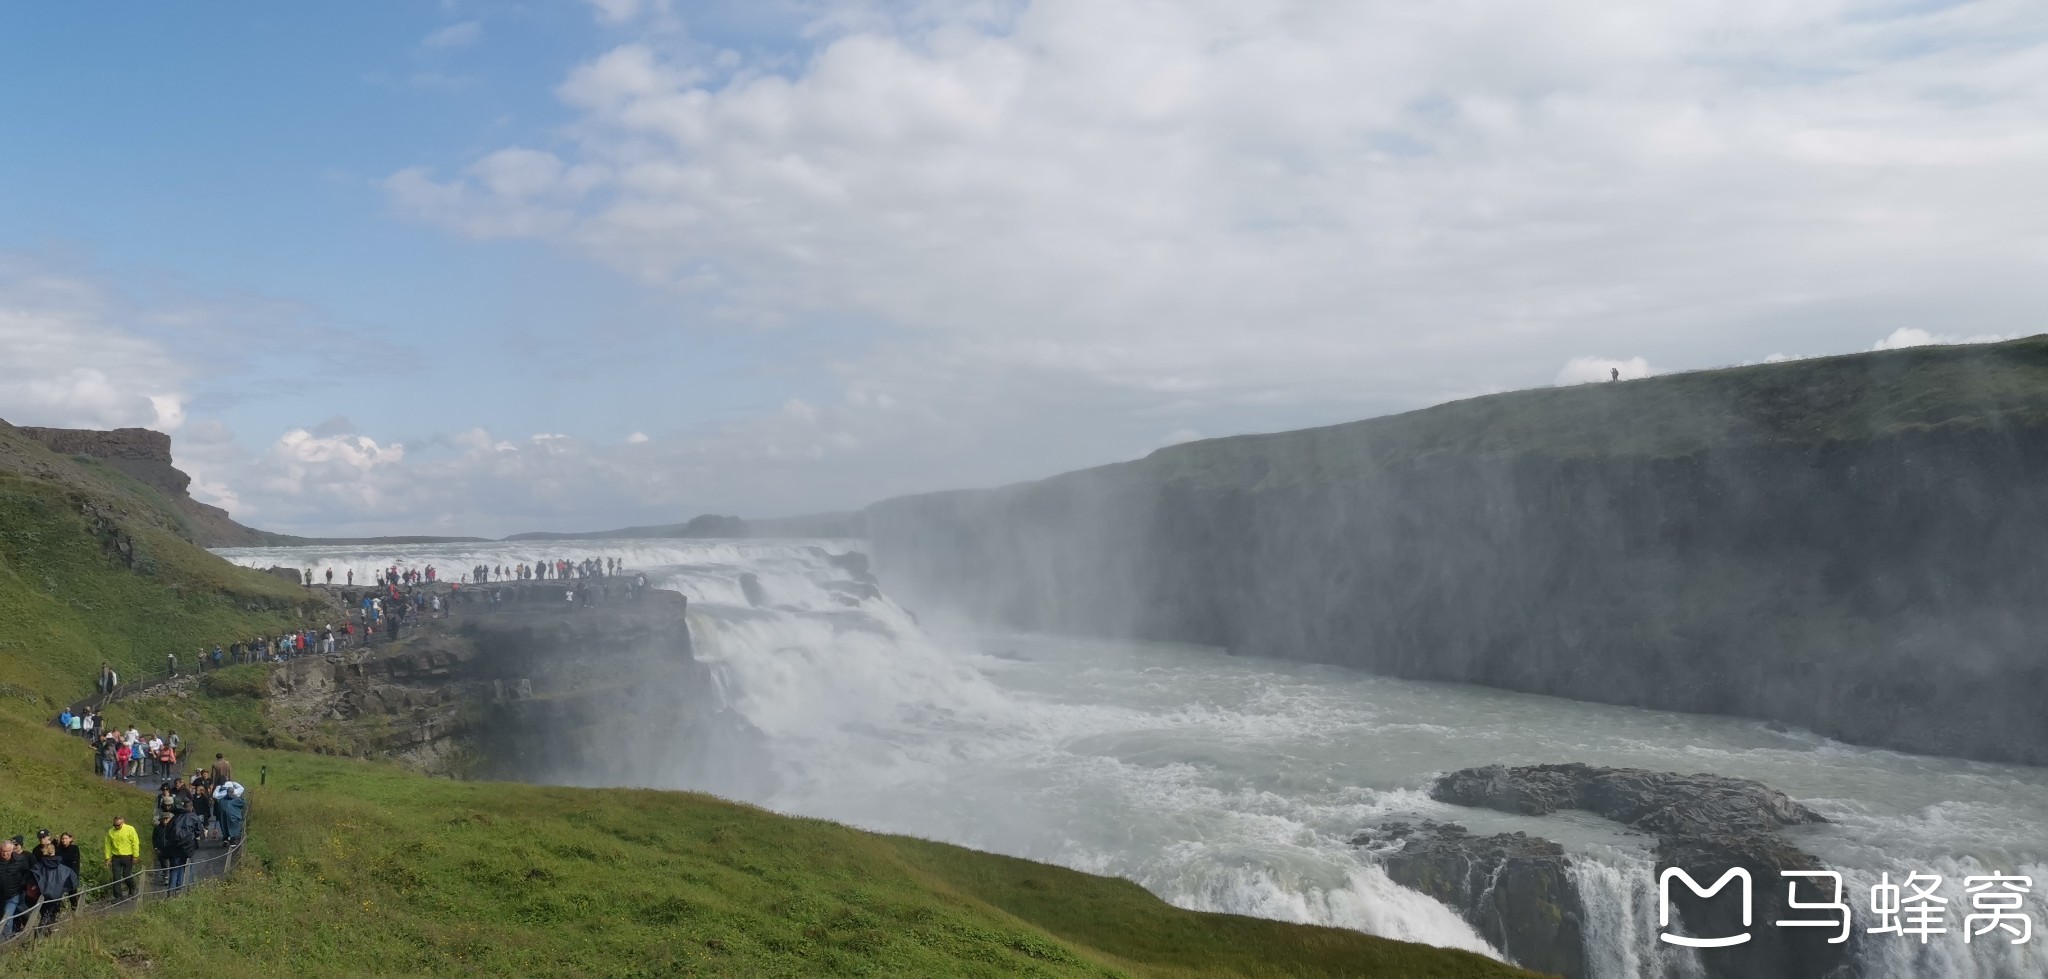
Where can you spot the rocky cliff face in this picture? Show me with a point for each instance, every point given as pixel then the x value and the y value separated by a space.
pixel 145 456
pixel 1847 545
pixel 538 690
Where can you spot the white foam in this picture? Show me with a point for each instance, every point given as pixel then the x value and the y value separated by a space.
pixel 1231 784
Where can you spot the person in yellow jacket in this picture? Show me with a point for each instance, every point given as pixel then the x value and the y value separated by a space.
pixel 123 846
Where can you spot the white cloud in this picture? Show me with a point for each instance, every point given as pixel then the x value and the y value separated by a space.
pixel 1909 336
pixel 1580 370
pixel 338 472
pixel 518 173
pixel 73 358
pixel 619 12
pixel 1337 203
pixel 456 35
pixel 1062 228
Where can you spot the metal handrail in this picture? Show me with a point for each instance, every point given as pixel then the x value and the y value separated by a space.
pixel 142 889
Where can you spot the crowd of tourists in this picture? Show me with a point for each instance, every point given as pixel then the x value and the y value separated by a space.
pixel 561 570
pixel 392 575
pixel 271 649
pixel 39 881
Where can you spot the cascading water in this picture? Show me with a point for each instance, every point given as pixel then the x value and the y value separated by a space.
pixel 1618 889
pixel 1230 784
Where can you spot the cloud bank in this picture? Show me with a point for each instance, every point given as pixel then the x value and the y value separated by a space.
pixel 1260 213
pixel 1055 233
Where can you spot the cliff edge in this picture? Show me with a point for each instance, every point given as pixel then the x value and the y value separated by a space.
pixel 145 457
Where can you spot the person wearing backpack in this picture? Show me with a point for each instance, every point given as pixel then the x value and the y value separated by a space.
pixel 54 882
pixel 185 831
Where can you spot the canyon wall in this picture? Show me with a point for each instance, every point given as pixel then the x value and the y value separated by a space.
pixel 1849 545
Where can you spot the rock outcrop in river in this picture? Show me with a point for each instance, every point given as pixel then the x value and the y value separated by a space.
pixel 1514 888
pixel 1847 544
pixel 1517 889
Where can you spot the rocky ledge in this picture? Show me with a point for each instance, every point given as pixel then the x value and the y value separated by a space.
pixel 1517 891
pixel 538 689
pixel 1514 888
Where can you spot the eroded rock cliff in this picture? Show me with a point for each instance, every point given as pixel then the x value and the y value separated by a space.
pixel 145 456
pixel 537 690
pixel 1845 544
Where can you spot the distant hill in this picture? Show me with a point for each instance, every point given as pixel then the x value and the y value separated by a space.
pixel 706 525
pixel 844 524
pixel 287 540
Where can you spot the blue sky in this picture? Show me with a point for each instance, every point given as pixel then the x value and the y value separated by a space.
pixel 410 266
pixel 241 150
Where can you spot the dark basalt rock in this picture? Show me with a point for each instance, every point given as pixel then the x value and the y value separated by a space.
pixel 1705 824
pixel 1513 888
pixel 1665 803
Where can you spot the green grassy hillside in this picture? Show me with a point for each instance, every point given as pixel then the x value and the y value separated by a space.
pixel 1853 396
pixel 362 869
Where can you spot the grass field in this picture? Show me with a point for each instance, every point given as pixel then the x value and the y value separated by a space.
pixel 1852 396
pixel 357 868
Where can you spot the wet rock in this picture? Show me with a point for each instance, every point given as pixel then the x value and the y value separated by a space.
pixel 859 590
pixel 751 585
pixel 1664 803
pixel 852 562
pixel 1705 825
pixel 1515 889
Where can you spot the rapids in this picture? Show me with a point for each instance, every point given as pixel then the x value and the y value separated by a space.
pixel 1232 784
